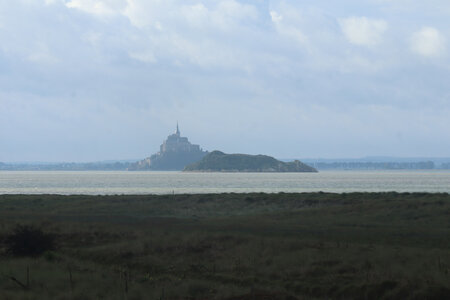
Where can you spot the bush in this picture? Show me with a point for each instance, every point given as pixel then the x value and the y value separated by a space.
pixel 28 241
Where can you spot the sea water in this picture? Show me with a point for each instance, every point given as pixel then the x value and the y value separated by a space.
pixel 113 182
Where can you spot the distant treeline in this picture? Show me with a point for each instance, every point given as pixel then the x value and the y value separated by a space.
pixel 445 166
pixel 423 165
pixel 113 166
pixel 123 166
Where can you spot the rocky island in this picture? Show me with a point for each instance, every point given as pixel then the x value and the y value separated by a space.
pixel 218 161
pixel 175 153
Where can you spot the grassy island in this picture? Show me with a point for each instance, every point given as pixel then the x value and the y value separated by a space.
pixel 226 246
pixel 218 161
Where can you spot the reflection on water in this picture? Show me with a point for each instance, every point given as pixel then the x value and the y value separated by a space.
pixel 178 182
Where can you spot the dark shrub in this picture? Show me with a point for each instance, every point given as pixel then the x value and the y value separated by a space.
pixel 28 241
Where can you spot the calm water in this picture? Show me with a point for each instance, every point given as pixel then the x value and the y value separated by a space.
pixel 179 182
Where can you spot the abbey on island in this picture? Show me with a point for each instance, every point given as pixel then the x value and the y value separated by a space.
pixel 174 154
pixel 176 143
pixel 177 153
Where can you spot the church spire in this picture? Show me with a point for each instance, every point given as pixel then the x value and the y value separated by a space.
pixel 178 130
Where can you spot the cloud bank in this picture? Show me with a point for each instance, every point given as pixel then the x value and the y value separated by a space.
pixel 428 42
pixel 108 79
pixel 363 31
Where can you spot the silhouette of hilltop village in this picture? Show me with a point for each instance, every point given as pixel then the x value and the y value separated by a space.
pixel 175 153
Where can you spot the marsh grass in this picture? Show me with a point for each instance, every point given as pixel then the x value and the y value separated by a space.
pixel 231 246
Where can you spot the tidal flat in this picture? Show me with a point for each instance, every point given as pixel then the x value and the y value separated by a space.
pixel 229 246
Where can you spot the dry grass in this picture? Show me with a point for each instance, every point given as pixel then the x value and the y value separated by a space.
pixel 232 246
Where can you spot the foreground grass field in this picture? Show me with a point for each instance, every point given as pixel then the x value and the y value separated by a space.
pixel 231 246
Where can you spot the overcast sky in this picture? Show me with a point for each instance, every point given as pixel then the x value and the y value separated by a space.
pixel 88 80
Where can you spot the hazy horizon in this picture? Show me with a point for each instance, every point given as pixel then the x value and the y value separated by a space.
pixel 309 159
pixel 85 81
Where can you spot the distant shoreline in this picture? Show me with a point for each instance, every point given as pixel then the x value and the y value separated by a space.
pixel 320 165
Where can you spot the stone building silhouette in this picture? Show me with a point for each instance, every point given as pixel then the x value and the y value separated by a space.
pixel 175 153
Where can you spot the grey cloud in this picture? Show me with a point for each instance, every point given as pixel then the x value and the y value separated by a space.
pixel 83 84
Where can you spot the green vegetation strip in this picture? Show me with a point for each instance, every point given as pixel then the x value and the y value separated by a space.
pixel 228 246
